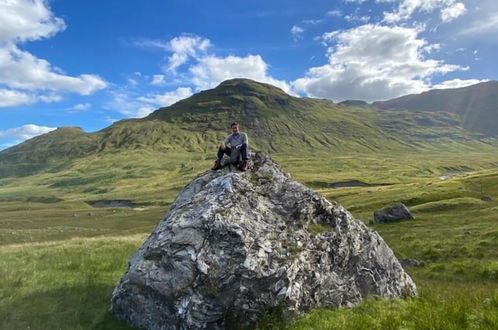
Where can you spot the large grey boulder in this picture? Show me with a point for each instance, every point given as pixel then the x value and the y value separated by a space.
pixel 394 212
pixel 236 244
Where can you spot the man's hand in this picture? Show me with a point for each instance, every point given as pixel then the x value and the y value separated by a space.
pixel 222 146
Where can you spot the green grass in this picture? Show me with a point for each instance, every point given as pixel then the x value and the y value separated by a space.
pixel 62 285
pixel 60 258
pixel 440 305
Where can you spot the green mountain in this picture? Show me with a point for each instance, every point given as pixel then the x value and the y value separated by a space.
pixel 476 105
pixel 275 122
pixel 354 103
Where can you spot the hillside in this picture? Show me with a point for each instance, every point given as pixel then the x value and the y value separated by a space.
pixel 476 105
pixel 61 258
pixel 275 122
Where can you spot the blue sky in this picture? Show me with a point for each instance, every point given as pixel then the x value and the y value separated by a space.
pixel 90 63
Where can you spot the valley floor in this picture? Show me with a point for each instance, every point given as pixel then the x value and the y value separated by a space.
pixel 60 258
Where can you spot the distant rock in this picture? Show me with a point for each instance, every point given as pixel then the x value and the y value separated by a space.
pixel 394 212
pixel 121 203
pixel 486 199
pixel 235 245
pixel 354 103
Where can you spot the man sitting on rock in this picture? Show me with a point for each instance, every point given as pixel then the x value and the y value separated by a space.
pixel 238 146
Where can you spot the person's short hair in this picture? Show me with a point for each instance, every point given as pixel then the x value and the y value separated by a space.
pixel 234 123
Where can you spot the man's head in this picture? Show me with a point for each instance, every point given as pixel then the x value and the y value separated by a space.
pixel 235 128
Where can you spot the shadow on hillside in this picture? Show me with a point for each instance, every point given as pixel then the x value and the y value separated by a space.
pixel 72 307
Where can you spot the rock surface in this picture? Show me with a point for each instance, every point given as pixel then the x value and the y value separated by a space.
pixel 235 245
pixel 394 212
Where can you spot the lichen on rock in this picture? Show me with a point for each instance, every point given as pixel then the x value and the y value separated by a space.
pixel 235 245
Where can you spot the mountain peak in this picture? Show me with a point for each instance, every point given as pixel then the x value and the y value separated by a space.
pixel 230 99
pixel 249 86
pixel 69 129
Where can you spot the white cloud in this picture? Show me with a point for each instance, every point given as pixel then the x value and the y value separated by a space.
pixel 450 13
pixel 10 98
pixel 132 82
pixel 296 32
pixel 123 103
pixel 335 12
pixel 48 98
pixel 158 79
pixel 312 21
pixel 212 70
pixel 14 98
pixel 168 98
pixel 24 20
pixel 457 83
pixel 148 43
pixel 132 106
pixel 373 62
pixel 25 132
pixel 431 48
pixel 144 111
pixel 184 47
pixel 206 70
pixel 356 18
pixel 449 9
pixel 296 29
pixel 81 107
pixel 20 71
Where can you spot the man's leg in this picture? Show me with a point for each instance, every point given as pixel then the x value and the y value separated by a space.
pixel 221 152
pixel 243 151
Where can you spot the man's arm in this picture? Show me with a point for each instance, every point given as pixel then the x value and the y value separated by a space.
pixel 245 140
pixel 225 142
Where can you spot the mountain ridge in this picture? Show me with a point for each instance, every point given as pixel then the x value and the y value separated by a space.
pixel 274 120
pixel 476 105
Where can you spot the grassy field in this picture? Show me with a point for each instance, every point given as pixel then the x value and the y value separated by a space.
pixel 60 258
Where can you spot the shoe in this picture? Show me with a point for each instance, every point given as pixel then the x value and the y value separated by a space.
pixel 243 166
pixel 217 165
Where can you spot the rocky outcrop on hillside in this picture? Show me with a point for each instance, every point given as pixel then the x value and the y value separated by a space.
pixel 235 245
